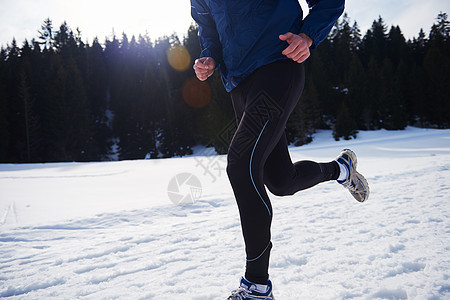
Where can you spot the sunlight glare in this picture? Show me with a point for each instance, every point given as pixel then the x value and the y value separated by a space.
pixel 196 93
pixel 133 17
pixel 179 58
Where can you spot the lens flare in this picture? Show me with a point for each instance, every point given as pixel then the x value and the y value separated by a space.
pixel 196 93
pixel 179 58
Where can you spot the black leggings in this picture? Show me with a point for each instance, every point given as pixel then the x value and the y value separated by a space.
pixel 258 156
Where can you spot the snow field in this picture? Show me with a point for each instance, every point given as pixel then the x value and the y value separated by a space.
pixel 109 231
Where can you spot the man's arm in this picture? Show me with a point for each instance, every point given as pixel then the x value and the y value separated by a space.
pixel 207 33
pixel 316 26
pixel 321 18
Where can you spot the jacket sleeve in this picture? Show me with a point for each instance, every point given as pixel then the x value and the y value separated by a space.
pixel 321 18
pixel 207 32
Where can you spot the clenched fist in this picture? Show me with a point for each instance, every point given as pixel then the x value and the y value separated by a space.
pixel 204 67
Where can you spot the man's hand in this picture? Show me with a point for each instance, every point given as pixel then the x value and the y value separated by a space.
pixel 204 67
pixel 298 49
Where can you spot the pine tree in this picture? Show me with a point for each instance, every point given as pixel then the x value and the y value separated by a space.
pixel 305 118
pixel 31 122
pixel 97 95
pixel 125 123
pixel 402 81
pixel 13 51
pixel 437 66
pixel 342 40
pixel 391 104
pixel 416 80
pixel 46 35
pixel 374 42
pixel 149 117
pixel 355 38
pixel 371 114
pixel 191 41
pixel 418 47
pixel 345 125
pixel 4 134
pixel 417 89
pixel 357 91
pixel 12 66
pixel 64 37
pixel 440 32
pixel 396 46
pixel 68 132
pixel 318 73
pixel 114 65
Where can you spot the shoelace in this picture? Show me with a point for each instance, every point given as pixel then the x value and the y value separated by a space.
pixel 353 187
pixel 239 294
pixel 349 185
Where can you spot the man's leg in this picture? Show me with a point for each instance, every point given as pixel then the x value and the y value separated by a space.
pixel 282 177
pixel 268 97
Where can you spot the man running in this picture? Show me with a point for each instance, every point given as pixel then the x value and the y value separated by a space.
pixel 259 47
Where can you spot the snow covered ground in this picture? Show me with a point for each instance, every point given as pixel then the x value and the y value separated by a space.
pixel 109 230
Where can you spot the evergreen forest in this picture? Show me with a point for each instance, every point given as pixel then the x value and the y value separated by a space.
pixel 63 99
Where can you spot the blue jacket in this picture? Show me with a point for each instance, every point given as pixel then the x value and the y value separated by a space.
pixel 242 35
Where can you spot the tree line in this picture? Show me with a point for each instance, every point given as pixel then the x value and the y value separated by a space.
pixel 62 99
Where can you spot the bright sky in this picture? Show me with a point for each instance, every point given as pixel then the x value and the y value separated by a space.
pixel 23 18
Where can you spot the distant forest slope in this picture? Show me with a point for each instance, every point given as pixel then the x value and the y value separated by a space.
pixel 65 100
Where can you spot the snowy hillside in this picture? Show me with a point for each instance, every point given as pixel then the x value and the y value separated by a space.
pixel 110 230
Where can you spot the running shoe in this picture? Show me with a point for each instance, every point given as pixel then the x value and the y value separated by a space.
pixel 247 290
pixel 355 182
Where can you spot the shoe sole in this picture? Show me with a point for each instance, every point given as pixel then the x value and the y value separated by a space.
pixel 357 195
